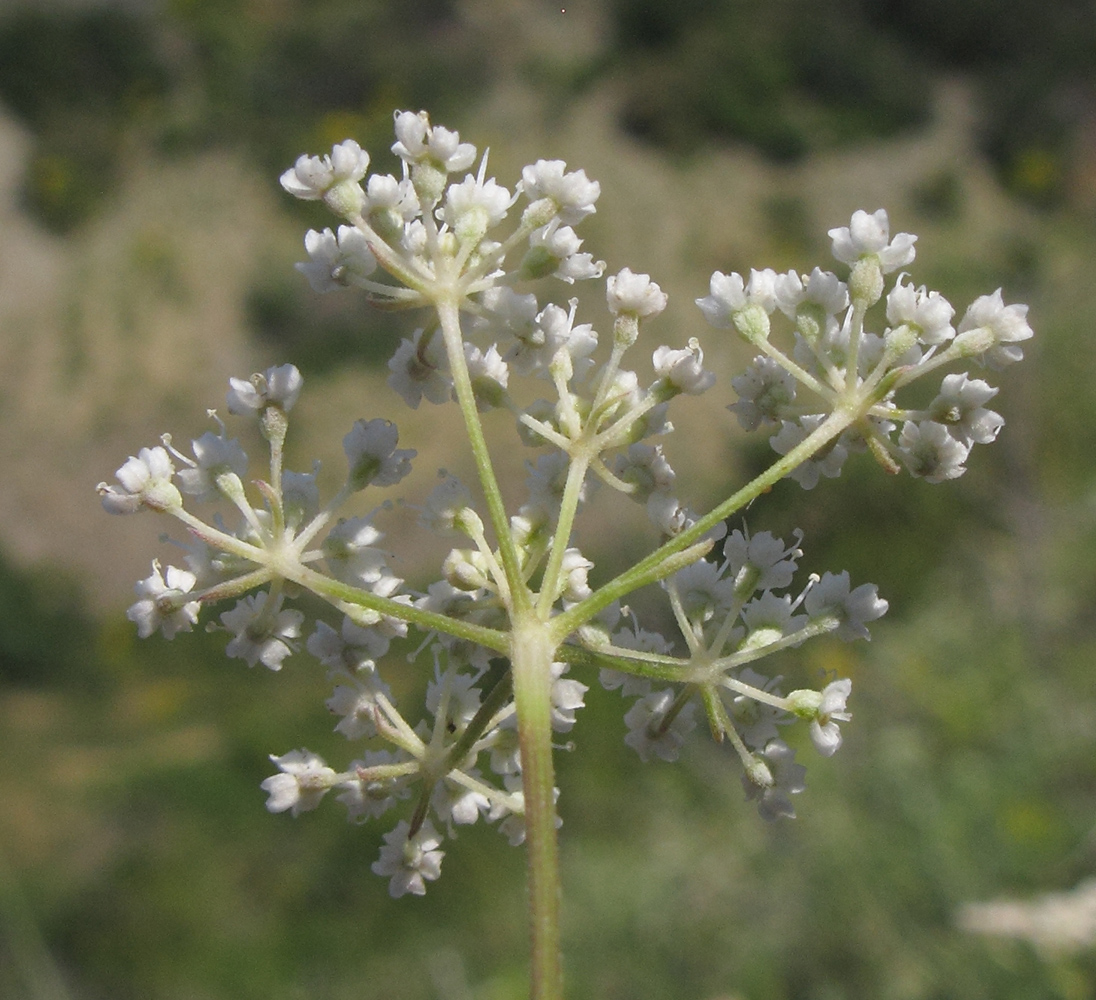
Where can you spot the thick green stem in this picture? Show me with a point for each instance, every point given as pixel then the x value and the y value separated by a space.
pixel 531 656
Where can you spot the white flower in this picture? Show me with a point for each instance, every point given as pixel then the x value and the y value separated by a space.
pixel 549 332
pixel 457 805
pixel 729 294
pixel 756 721
pixel 703 591
pixel 383 193
pixel 475 205
pixel 300 496
pixel 350 551
pixel 354 647
pixel 634 294
pixel 444 506
pixel 163 604
pixel 765 391
pixel 827 462
pixel 684 369
pixel 873 348
pixel 760 562
pixel 337 261
pixel 567 697
pixel 822 290
pixel 505 747
pixel 574 568
pixel 644 467
pixel 1007 325
pixel 513 827
pixel 216 456
pixel 333 178
pixel 554 251
pixel 869 235
pixel 371 451
pixel 260 637
pixel 455 696
pixel 546 482
pixel 927 313
pixel 636 638
pixel 356 703
pixel 768 619
pixel 776 763
pixel 413 241
pixel 825 733
pixel 279 386
pixel 418 141
pixel 144 481
pixel 647 734
pixel 303 780
pixel 509 311
pixel 410 862
pixel 489 376
pixel 366 798
pixel 958 406
pixel 418 371
pixel 667 513
pixel 573 193
pixel 930 452
pixel 831 596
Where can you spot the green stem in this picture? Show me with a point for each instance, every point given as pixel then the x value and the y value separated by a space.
pixel 531 656
pixel 550 582
pixel 449 316
pixel 564 624
pixel 342 594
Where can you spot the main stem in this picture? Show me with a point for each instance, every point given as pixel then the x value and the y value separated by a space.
pixel 531 656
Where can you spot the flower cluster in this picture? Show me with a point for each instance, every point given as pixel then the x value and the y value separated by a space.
pixel 513 620
pixel 840 363
pixel 730 614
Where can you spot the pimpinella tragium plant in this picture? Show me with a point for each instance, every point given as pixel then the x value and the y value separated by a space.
pixel 514 628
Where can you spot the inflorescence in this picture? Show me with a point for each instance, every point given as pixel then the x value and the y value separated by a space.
pixel 430 240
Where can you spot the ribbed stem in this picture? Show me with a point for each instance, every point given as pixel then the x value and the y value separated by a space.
pixel 531 656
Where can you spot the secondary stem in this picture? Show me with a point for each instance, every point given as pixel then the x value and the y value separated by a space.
pixel 645 570
pixel 449 316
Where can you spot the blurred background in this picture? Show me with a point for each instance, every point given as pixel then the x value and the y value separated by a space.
pixel 147 256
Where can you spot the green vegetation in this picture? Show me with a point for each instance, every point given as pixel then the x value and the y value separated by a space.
pixel 787 77
pixel 272 78
pixel 792 76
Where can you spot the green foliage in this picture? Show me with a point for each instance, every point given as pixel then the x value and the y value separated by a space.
pixel 220 72
pixel 322 332
pixel 793 76
pixel 785 77
pixel 961 777
pixel 44 631
pixel 78 79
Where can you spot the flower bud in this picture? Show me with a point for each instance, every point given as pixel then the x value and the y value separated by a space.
pixel 866 281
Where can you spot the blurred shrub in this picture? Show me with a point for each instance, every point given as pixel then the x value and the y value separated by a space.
pixel 322 332
pixel 77 78
pixel 45 633
pixel 276 79
pixel 790 76
pixel 786 77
